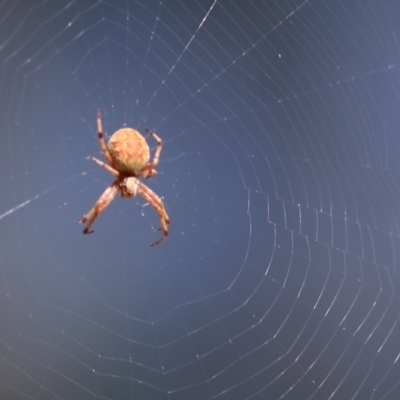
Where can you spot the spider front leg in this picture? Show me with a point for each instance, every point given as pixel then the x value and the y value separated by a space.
pixel 105 199
pixel 157 203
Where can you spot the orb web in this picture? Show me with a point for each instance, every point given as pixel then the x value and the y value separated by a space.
pixel 280 276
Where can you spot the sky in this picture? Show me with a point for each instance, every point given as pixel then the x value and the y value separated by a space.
pixel 280 173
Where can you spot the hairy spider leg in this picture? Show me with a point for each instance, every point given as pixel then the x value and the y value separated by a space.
pixel 102 164
pixel 100 135
pixel 158 205
pixel 105 199
pixel 147 171
pixel 144 191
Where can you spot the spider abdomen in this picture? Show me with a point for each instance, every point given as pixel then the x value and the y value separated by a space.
pixel 129 151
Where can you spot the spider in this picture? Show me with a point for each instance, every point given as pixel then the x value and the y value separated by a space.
pixel 127 157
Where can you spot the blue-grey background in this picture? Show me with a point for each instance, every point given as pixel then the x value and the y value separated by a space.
pixel 280 172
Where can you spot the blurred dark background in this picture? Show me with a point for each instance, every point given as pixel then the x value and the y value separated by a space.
pixel 280 172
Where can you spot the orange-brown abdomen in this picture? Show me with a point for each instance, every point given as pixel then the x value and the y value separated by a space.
pixel 129 151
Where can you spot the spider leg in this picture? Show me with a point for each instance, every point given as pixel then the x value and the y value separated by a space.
pixel 104 200
pixel 157 203
pixel 148 171
pixel 102 164
pixel 102 142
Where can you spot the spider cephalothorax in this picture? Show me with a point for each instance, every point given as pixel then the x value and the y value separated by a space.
pixel 127 157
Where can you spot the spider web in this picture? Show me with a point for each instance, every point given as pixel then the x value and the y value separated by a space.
pixel 280 172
